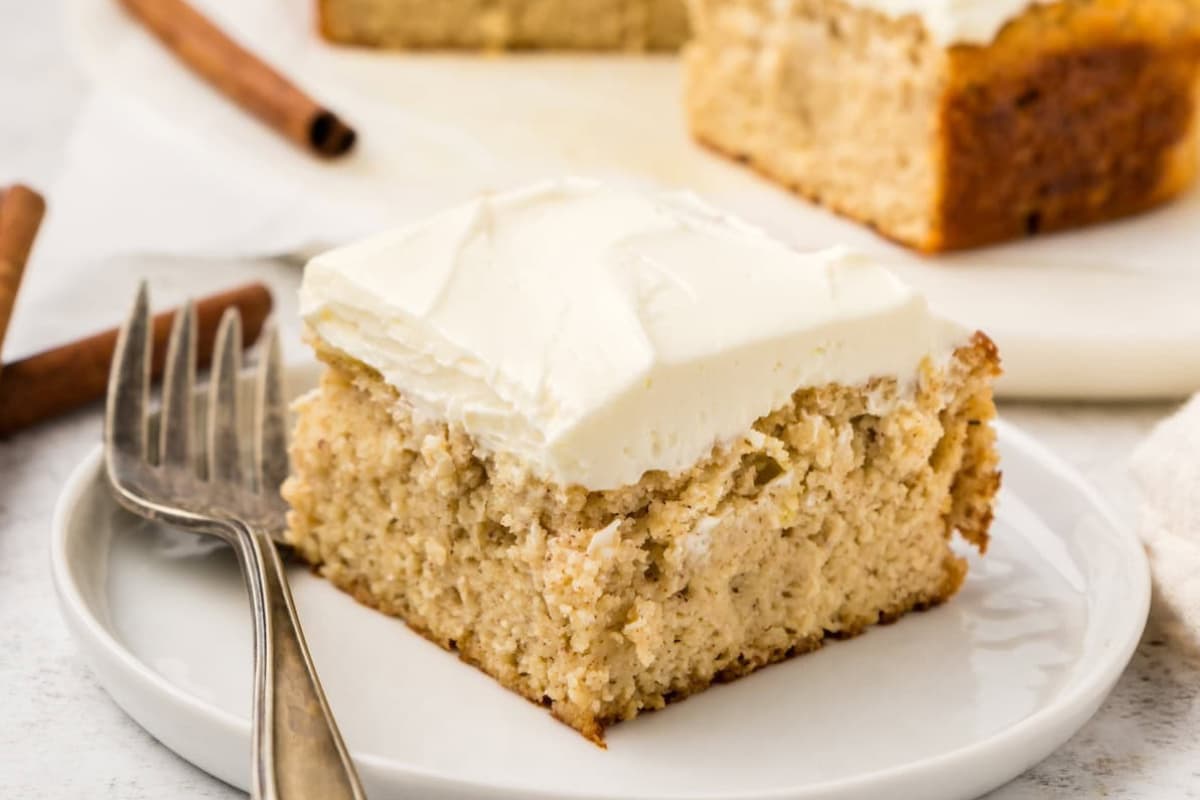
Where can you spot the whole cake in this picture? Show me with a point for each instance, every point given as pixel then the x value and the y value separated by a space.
pixel 613 447
pixel 506 24
pixel 949 124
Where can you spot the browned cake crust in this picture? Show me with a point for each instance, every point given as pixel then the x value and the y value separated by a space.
pixel 505 24
pixel 1080 111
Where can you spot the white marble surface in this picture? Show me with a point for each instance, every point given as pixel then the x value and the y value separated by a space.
pixel 60 735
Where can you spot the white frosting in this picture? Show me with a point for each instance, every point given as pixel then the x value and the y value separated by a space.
pixel 600 333
pixel 951 21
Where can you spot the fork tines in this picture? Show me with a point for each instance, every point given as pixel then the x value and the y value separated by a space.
pixel 126 421
pixel 210 448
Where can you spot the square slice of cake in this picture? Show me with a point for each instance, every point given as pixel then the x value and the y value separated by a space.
pixel 947 125
pixel 612 447
pixel 506 24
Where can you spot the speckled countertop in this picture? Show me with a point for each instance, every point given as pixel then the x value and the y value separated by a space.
pixel 60 735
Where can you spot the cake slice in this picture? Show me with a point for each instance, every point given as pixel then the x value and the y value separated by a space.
pixel 611 448
pixel 506 24
pixel 949 125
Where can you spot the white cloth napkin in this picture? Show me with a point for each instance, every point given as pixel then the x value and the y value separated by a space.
pixel 135 182
pixel 1167 468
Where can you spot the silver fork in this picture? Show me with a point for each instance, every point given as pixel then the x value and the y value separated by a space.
pixel 201 484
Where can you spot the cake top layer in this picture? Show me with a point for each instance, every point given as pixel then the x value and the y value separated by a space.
pixel 598 333
pixel 952 21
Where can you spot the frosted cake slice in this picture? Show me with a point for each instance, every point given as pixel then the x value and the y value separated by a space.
pixel 612 447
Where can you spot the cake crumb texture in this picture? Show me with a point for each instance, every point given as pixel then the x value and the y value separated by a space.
pixel 831 514
pixel 506 24
pixel 1079 111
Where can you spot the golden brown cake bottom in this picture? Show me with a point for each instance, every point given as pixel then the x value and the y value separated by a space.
pixel 506 24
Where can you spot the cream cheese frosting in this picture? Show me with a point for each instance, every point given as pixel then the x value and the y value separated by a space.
pixel 598 333
pixel 952 21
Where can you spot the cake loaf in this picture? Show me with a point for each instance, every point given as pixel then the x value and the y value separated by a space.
pixel 949 125
pixel 506 24
pixel 612 447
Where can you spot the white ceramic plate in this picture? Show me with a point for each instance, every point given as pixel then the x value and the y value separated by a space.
pixel 943 705
pixel 1106 312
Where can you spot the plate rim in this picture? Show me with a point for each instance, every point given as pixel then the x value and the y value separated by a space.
pixel 1085 692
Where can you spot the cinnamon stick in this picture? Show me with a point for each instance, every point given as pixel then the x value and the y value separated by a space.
pixel 21 211
pixel 243 77
pixel 52 383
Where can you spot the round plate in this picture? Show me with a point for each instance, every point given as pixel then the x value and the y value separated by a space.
pixel 941 705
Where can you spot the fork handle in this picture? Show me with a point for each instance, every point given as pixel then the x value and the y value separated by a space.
pixel 298 753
